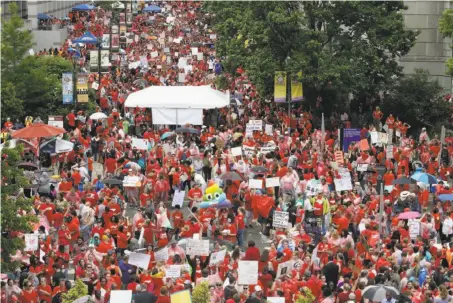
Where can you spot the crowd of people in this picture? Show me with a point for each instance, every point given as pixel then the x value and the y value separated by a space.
pixel 339 240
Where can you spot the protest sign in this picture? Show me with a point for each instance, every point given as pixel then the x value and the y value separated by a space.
pixel 31 242
pixel 144 61
pixel 255 125
pixel 248 131
pixel 217 257
pixel 181 77
pixel 362 167
pixel 414 228
pixel 276 299
pixel 141 239
pixel 313 186
pixel 389 152
pixel 56 121
pixel 255 183
pixel 194 51
pixel 345 182
pixel 390 136
pixel 181 297
pixel 95 85
pixel 248 150
pixel 173 271
pixel 134 65
pixel 166 50
pixel 154 54
pixel 339 157
pixel 141 144
pixel 272 182
pixel 161 255
pixel 212 36
pixel 284 268
pixel 267 149
pixel 178 198
pixel 236 151
pixel 247 272
pixel 268 129
pixel 350 136
pixel 281 219
pixel 120 296
pixel 139 260
pixel 131 181
pixel 197 247
pixel 314 256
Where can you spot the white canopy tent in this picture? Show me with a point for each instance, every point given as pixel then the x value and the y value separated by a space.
pixel 178 104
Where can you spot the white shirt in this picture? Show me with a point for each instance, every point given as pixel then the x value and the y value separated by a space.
pixel 447 227
pixel 344 117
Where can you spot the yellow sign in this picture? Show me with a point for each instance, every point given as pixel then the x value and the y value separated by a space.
pixel 82 88
pixel 297 91
pixel 280 87
pixel 181 297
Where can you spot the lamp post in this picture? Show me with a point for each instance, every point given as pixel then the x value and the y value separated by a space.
pixel 288 91
pixel 99 59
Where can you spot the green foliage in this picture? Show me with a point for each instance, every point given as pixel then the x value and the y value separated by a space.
pixel 77 291
pixel 37 82
pixel 306 298
pixel 417 100
pixel 200 293
pixel 16 40
pixel 347 46
pixel 11 105
pixel 13 200
pixel 221 82
pixel 446 28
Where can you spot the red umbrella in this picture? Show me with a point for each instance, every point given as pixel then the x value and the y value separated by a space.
pixel 38 130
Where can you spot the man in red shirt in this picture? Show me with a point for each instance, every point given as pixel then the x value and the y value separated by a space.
pixel 194 195
pixel 71 120
pixel 252 253
pixel 110 165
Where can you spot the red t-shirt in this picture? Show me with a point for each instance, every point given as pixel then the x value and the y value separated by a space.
pixel 71 119
pixel 110 164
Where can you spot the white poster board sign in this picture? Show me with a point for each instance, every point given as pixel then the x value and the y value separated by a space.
pixel 281 219
pixel 31 242
pixel 272 182
pixel 389 152
pixel 161 255
pixel 131 181
pixel 255 183
pixel 194 51
pixel 236 151
pixel 120 296
pixel 362 167
pixel 414 228
pixel 217 257
pixel 313 186
pixel 276 299
pixel 173 271
pixel 268 129
pixel 248 150
pixel 141 144
pixel 95 85
pixel 154 54
pixel 181 77
pixel 247 272
pixel 178 198
pixel 139 260
pixel 197 247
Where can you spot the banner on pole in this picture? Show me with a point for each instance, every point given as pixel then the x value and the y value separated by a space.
pixel 297 92
pixel 280 87
pixel 106 41
pixel 67 88
pixel 82 88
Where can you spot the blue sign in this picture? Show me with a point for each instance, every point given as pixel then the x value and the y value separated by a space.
pixel 350 136
pixel 67 88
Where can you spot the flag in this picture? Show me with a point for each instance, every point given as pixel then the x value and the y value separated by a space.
pixel 297 92
pixel 262 205
pixel 280 87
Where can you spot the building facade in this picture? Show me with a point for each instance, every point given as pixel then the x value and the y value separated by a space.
pixel 431 49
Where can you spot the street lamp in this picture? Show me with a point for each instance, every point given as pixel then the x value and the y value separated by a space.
pixel 99 58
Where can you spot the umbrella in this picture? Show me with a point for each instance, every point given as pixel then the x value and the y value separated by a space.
pixel 424 178
pixel 231 176
pixel 141 82
pixel 152 9
pixel 112 182
pixel 237 101
pixel 38 130
pixel 166 135
pixel 403 180
pixel 56 146
pixel 27 166
pixel 186 130
pixel 98 115
pixel 42 16
pixel 83 7
pixel 259 169
pixel 409 215
pixel 445 197
pixel 376 293
pixel 87 38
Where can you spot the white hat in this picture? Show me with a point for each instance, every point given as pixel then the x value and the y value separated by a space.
pixel 258 288
pixel 404 195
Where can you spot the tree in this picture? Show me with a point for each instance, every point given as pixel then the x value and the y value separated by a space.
pixel 16 40
pixel 446 28
pixel 200 293
pixel 38 83
pixel 418 101
pixel 78 291
pixel 13 201
pixel 307 297
pixel 345 46
pixel 11 105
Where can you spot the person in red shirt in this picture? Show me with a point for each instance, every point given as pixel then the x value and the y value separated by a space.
pixel 240 225
pixel 252 253
pixel 195 195
pixel 29 294
pixel 110 165
pixel 44 291
pixel 71 120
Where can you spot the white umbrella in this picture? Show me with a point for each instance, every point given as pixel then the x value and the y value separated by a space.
pixel 98 115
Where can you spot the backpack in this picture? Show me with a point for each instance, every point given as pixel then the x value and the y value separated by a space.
pixel 218 68
pixel 99 185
